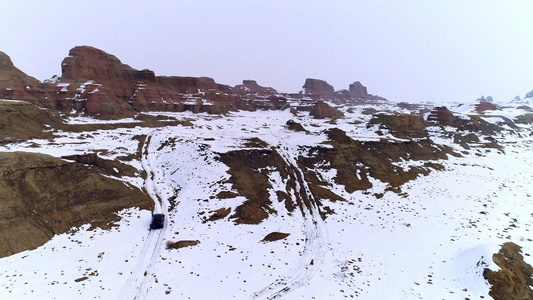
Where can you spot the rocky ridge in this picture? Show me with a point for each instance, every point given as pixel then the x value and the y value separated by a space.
pixel 96 83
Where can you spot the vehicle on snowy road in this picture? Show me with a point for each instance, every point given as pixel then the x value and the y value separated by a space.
pixel 158 221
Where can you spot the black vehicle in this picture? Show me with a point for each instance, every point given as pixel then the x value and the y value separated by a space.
pixel 158 221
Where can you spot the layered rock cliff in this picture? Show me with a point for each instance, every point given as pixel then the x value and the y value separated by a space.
pixel 98 84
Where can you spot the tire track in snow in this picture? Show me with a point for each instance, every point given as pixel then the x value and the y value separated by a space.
pixel 315 244
pixel 136 287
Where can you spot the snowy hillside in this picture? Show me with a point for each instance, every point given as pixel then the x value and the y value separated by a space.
pixel 429 239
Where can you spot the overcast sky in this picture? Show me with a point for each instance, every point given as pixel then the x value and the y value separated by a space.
pixel 404 50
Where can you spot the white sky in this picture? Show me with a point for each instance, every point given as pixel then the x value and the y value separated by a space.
pixel 403 50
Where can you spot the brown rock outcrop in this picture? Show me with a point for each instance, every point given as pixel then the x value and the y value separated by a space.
pixel 514 279
pixel 401 125
pixel 358 90
pixel 103 86
pixel 15 84
pixel 356 162
pixel 318 87
pixel 484 106
pixel 251 87
pixel 98 84
pixel 88 63
pixel 43 196
pixel 322 110
pixel 443 116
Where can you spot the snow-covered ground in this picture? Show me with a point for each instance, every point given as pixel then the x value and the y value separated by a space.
pixel 430 242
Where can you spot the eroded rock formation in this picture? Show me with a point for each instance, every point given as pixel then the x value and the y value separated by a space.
pixel 514 279
pixel 318 87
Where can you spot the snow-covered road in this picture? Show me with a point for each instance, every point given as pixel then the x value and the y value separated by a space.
pixel 136 286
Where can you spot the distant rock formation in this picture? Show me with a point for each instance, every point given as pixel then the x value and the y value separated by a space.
pixel 358 90
pixel 88 63
pixel 98 84
pixel 529 95
pixel 514 279
pixel 251 87
pixel 484 106
pixel 318 87
pixel 483 99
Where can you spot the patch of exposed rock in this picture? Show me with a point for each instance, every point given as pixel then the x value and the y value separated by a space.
pixel 514 279
pixel 484 106
pixel 275 236
pixel 248 179
pixel 295 126
pixel 251 87
pixel 357 161
pixel 401 125
pixel 20 120
pixel 43 196
pixel 182 244
pixel 524 119
pixel 443 116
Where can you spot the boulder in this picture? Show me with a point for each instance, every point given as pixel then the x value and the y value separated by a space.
pixel 322 110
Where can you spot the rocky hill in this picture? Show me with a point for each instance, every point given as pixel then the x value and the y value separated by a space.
pixel 43 196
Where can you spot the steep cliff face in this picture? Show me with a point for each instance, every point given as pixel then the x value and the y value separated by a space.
pixel 88 63
pixel 318 87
